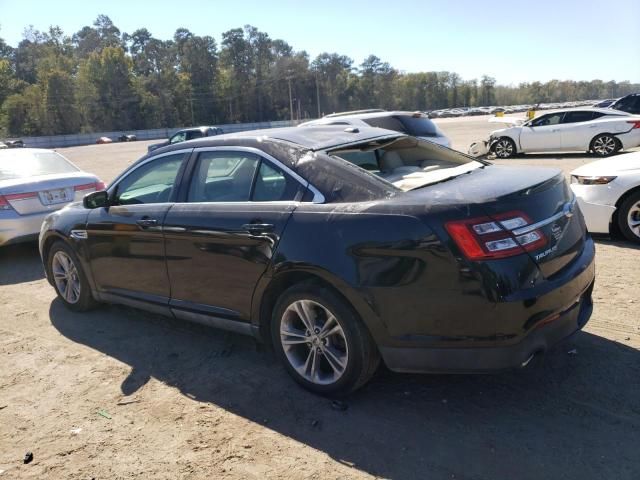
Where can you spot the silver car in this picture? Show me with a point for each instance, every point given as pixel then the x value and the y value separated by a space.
pixel 33 183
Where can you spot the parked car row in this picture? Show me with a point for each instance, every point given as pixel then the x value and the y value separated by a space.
pixel 12 144
pixel 601 131
pixel 629 104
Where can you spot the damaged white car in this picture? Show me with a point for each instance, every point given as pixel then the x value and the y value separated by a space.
pixel 598 130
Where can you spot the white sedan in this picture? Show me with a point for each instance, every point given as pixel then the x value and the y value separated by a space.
pixel 602 131
pixel 33 183
pixel 608 193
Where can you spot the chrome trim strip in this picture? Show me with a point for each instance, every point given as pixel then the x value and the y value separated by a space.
pixel 567 211
pixel 79 234
pixel 317 196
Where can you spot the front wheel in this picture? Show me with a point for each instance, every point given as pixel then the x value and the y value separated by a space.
pixel 604 145
pixel 629 218
pixel 321 341
pixel 68 278
pixel 504 148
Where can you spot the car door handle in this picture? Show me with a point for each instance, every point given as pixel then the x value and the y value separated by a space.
pixel 258 227
pixel 147 222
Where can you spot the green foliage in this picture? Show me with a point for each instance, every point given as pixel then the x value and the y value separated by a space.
pixel 102 79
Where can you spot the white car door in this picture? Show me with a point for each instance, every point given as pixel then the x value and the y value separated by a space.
pixel 542 134
pixel 578 128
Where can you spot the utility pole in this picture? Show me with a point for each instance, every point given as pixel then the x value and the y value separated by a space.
pixel 298 109
pixel 290 99
pixel 191 103
pixel 318 94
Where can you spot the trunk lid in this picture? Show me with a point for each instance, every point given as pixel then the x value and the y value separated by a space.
pixel 540 196
pixel 46 193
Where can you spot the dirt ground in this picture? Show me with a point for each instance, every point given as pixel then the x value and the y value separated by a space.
pixel 120 394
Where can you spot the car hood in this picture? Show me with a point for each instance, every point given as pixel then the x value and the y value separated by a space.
pixel 626 163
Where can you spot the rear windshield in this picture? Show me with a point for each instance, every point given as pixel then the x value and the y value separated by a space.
pixel 409 163
pixel 21 164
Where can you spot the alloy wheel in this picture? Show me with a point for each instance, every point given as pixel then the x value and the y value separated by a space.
pixel 604 145
pixel 66 277
pixel 503 149
pixel 633 219
pixel 314 342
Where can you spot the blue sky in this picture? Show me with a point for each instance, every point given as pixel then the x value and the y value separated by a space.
pixel 519 40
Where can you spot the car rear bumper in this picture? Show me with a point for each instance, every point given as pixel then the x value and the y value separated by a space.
pixel 16 228
pixel 542 330
pixel 630 139
pixel 596 216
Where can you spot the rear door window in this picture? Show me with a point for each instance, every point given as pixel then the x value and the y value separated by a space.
pixel 577 117
pixel 273 185
pixel 223 177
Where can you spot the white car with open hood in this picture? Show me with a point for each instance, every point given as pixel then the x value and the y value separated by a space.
pixel 599 130
pixel 608 193
pixel 33 183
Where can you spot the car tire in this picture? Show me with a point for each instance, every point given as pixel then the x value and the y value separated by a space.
pixel 629 217
pixel 504 148
pixel 69 279
pixel 604 145
pixel 321 341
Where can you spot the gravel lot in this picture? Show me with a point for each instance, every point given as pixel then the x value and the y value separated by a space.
pixel 117 393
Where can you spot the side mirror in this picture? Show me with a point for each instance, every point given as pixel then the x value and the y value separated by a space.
pixel 96 199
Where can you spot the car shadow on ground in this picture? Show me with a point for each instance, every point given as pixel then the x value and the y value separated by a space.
pixel 614 241
pixel 575 415
pixel 20 263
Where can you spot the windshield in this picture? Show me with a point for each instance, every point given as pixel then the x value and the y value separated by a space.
pixel 21 164
pixel 409 163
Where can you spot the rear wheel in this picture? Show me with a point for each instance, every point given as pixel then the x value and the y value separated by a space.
pixel 321 341
pixel 68 278
pixel 604 145
pixel 629 217
pixel 504 148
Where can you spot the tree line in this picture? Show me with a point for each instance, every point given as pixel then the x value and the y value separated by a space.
pixel 102 79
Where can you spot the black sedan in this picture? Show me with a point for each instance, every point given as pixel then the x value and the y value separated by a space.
pixel 339 246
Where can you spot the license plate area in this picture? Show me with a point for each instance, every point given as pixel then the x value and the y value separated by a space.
pixel 55 196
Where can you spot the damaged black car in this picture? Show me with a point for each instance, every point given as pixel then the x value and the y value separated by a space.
pixel 341 247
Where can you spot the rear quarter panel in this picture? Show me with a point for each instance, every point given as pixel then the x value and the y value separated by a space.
pixel 393 269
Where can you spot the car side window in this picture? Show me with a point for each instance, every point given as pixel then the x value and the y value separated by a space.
pixel 152 182
pixel 388 123
pixel 549 119
pixel 191 134
pixel 178 137
pixel 273 185
pixel 577 117
pixel 223 177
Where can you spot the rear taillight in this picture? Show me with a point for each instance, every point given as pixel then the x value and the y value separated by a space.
pixel 636 124
pixel 97 186
pixel 485 238
pixel 4 204
pixel 5 199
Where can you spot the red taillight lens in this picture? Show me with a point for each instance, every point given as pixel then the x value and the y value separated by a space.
pixel 636 124
pixel 486 238
pixel 4 199
pixel 4 204
pixel 97 186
